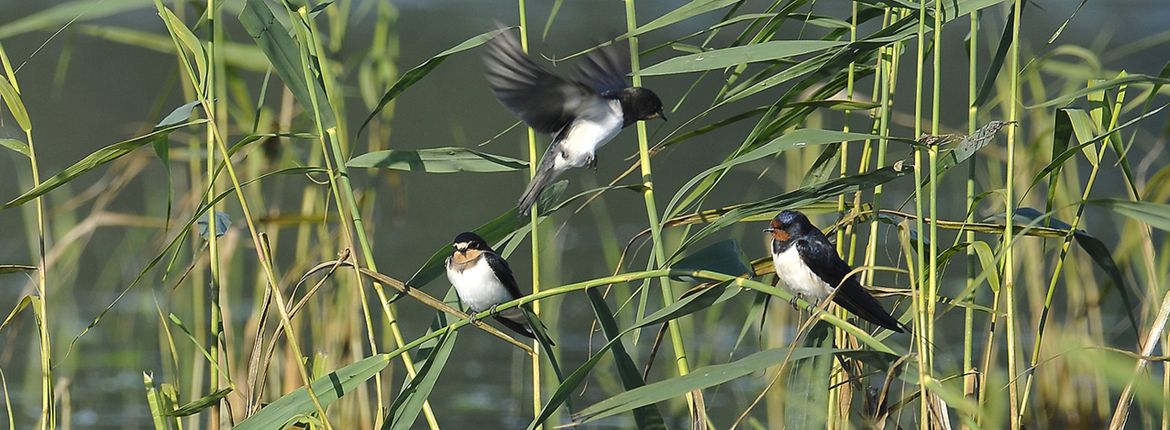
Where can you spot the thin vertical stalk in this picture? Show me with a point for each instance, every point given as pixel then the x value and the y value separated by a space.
pixel 209 86
pixel 1009 277
pixel 534 221
pixel 889 74
pixel 839 388
pixel 253 231
pixel 676 339
pixel 972 116
pixel 331 146
pixel 40 307
pixel 936 103
pixel 918 294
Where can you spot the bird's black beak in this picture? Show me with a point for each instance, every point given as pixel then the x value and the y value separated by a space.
pixel 662 115
pixel 769 230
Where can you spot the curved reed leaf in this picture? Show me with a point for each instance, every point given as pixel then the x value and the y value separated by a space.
pixel 94 160
pixel 328 389
pixel 687 11
pixel 15 105
pixel 736 55
pixel 429 364
pixel 1157 215
pixel 709 376
pixel 199 405
pixel 646 417
pixel 15 145
pixel 273 37
pixel 438 160
pixel 807 387
pixel 16 268
pixel 685 305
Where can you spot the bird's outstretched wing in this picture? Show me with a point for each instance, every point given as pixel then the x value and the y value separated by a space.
pixel 823 260
pixel 604 69
pixel 543 100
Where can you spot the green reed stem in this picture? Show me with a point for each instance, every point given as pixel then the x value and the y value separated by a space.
pixel 534 221
pixel 40 307
pixel 936 103
pixel 331 146
pixel 969 312
pixel 212 231
pixel 1064 247
pixel 1009 277
pixel 265 262
pixel 676 339
pixel 918 289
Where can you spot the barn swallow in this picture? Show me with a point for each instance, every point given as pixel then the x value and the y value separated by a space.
pixel 582 114
pixel 809 265
pixel 483 280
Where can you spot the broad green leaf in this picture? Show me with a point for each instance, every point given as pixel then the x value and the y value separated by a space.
pixel 94 160
pixel 15 145
pixel 1104 85
pixel 15 104
pixel 429 363
pixel 438 160
pixel 1001 51
pixel 155 403
pixel 1058 160
pixel 418 72
pixel 187 39
pixel 685 305
pixel 16 310
pixel 1096 249
pixel 198 405
pixel 646 417
pixel 710 376
pixel 1157 215
pixel 807 386
pixel 328 389
pixel 689 10
pixel 725 256
pixel 16 268
pixel 284 52
pixel 727 57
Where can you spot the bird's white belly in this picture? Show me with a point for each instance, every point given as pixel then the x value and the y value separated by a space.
pixel 593 129
pixel 797 276
pixel 478 287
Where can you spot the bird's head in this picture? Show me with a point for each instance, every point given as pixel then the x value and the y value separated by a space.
pixel 640 104
pixel 788 224
pixel 468 241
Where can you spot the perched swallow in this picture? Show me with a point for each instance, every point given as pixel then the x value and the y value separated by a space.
pixel 809 265
pixel 483 280
pixel 582 114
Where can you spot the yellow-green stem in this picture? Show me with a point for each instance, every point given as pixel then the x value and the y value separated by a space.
pixel 534 221
pixel 969 312
pixel 1009 278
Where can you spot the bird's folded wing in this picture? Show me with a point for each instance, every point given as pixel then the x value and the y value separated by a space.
pixel 503 273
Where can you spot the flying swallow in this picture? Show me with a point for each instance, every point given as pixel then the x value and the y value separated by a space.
pixel 582 114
